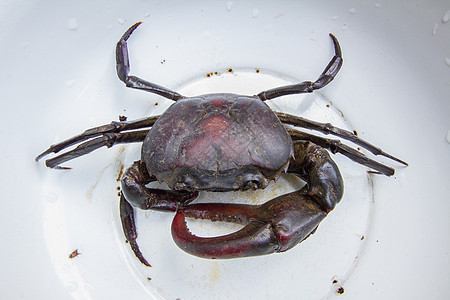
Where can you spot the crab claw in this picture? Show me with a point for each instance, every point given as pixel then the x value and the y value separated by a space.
pixel 274 226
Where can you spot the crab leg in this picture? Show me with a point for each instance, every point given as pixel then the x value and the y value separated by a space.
pixel 136 194
pixel 134 182
pixel 123 69
pixel 328 128
pixel 325 78
pixel 129 228
pixel 274 226
pixel 113 127
pixel 108 140
pixel 335 146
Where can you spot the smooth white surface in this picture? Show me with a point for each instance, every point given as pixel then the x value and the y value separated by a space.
pixel 58 78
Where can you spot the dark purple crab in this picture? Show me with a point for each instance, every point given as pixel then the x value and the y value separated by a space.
pixel 226 142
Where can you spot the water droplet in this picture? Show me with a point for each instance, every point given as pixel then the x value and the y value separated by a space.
pixel 71 286
pixel 377 5
pixel 268 27
pixel 69 83
pixel 255 13
pixel 51 197
pixel 147 15
pixel 121 21
pixel 72 24
pixel 447 61
pixel 435 28
pixel 352 10
pixel 447 137
pixel 446 16
pixel 229 5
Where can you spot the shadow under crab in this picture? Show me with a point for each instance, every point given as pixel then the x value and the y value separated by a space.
pixel 226 142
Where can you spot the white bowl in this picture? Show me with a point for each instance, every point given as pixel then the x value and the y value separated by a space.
pixel 388 238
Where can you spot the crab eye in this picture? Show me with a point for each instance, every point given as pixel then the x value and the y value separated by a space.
pixel 180 186
pixel 253 182
pixel 185 183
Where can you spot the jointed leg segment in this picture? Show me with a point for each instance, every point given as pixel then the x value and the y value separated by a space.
pixel 328 128
pixel 308 86
pixel 134 191
pixel 108 140
pixel 123 69
pixel 111 134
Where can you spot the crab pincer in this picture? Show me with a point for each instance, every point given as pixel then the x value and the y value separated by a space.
pixel 275 226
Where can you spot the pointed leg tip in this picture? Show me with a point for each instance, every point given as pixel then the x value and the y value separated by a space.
pixel 59 167
pixel 137 252
pixel 135 25
pixel 388 172
pixel 375 172
pixel 130 30
pixel 42 155
pixel 145 262
pixel 403 162
pixel 396 159
pixel 333 37
pixel 337 46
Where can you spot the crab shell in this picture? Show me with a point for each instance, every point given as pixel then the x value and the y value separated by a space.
pixel 217 142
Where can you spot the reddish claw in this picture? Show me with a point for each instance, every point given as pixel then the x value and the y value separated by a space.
pixel 274 226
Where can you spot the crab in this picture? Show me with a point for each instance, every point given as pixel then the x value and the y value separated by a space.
pixel 226 142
